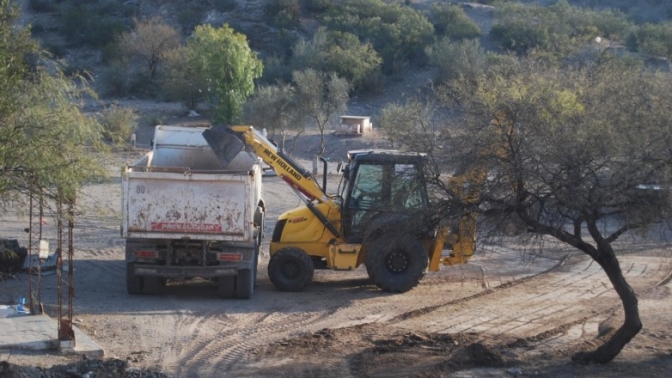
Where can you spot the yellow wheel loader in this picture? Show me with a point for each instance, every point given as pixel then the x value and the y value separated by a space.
pixel 377 217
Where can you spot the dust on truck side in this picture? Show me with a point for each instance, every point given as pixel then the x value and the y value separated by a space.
pixel 185 215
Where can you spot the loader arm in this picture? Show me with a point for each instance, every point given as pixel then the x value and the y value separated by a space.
pixel 284 166
pixel 299 178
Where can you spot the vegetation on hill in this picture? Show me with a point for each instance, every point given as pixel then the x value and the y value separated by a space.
pixel 363 41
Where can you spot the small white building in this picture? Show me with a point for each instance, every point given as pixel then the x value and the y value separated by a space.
pixel 354 125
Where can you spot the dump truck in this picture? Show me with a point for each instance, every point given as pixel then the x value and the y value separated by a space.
pixel 186 215
pixel 378 217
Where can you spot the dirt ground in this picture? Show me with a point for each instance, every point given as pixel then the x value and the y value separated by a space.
pixel 513 311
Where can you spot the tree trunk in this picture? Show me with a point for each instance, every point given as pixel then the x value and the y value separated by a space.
pixel 632 324
pixel 322 143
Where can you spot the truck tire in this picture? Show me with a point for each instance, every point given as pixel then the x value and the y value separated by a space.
pixel 152 285
pixel 290 269
pixel 244 284
pixel 226 286
pixel 134 283
pixel 396 263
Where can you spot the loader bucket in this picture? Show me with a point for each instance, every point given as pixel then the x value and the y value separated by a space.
pixel 224 143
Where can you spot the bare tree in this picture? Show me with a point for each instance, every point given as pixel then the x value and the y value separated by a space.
pixel 321 97
pixel 411 118
pixel 580 155
pixel 148 42
pixel 274 107
pixel 180 81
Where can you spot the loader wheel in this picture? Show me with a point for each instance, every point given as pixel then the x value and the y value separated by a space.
pixel 396 263
pixel 244 284
pixel 290 269
pixel 133 282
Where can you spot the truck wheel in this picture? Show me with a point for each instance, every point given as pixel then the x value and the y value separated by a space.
pixel 290 269
pixel 396 263
pixel 152 285
pixel 133 282
pixel 226 286
pixel 244 284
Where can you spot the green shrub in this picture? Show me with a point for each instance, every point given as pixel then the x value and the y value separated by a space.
pixel 42 6
pixel 639 10
pixel 282 13
pixel 57 50
pixel 652 39
pixel 153 119
pixel 84 24
pixel 37 28
pixel 180 81
pixel 75 70
pixel 118 123
pixel 451 21
pixel 358 62
pixel 114 79
pixel 558 30
pixel 110 53
pixel 398 33
pixel 459 59
pixel 316 6
pixel 141 85
pixel 189 18
pixel 276 69
pixel 224 5
pixel 342 53
pixel 521 36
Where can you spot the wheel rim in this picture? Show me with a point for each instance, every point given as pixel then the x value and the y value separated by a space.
pixel 397 261
pixel 290 269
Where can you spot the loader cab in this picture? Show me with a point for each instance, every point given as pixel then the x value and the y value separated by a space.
pixel 381 182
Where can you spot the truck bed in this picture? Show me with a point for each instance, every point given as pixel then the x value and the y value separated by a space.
pixel 187 205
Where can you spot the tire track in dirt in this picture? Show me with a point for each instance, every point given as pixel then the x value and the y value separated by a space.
pixel 186 332
pixel 160 345
pixel 223 353
pixel 211 326
pixel 537 306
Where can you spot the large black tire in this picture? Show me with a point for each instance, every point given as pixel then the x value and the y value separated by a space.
pixel 134 284
pixel 396 263
pixel 290 269
pixel 226 286
pixel 152 285
pixel 244 284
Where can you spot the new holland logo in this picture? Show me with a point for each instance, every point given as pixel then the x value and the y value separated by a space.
pixel 282 164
